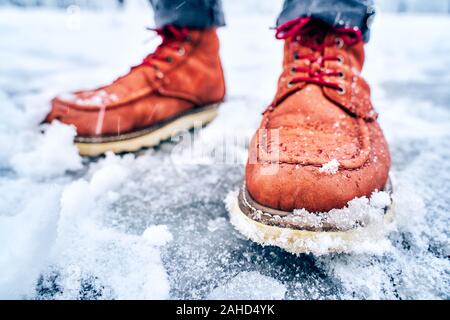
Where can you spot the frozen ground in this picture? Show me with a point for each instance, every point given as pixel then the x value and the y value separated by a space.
pixel 154 224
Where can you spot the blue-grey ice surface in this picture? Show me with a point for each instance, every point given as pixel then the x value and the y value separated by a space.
pixel 153 225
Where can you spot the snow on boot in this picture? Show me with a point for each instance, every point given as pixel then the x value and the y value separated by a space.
pixel 177 86
pixel 319 153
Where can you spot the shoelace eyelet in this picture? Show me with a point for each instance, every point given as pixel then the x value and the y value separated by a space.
pixel 341 75
pixel 293 71
pixel 339 43
pixel 296 56
pixel 341 91
pixel 290 84
pixel 340 59
pixel 181 51
pixel 169 59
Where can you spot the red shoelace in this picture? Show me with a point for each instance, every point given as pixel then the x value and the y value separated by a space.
pixel 297 29
pixel 171 38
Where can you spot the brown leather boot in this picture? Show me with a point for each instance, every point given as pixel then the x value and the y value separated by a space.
pixel 319 144
pixel 177 86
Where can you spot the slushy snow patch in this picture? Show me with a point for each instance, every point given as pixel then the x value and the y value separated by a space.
pixel 331 167
pixel 53 153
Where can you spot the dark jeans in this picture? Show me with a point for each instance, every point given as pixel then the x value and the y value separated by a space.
pixel 208 13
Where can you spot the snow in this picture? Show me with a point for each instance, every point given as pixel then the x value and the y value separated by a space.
pixel 98 99
pixel 331 167
pixel 360 210
pixel 62 230
pixel 380 200
pixel 366 225
pixel 216 224
pixel 250 286
pixel 83 245
pixel 158 235
pixel 110 177
pixel 56 140
pixel 150 225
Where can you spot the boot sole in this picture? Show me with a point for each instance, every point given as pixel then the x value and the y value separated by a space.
pixel 148 137
pixel 301 238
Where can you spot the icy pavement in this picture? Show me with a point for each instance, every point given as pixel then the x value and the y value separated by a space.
pixel 151 225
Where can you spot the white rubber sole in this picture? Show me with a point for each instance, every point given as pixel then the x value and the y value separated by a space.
pixel 303 241
pixel 149 139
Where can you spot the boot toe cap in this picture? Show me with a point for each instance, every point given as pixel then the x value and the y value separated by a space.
pixel 293 187
pixel 84 121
